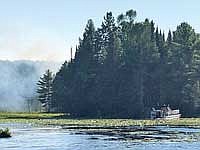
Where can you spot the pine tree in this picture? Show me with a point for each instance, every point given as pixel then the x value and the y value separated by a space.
pixel 169 37
pixel 60 84
pixel 152 31
pixel 45 90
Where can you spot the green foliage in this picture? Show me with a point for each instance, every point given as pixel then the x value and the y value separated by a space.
pixel 123 70
pixel 46 119
pixel 5 133
pixel 184 34
pixel 45 90
pixel 23 115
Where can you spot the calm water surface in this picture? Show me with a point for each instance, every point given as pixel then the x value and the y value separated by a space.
pixel 26 137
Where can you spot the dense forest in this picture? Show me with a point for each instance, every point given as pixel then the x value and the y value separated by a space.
pixel 124 68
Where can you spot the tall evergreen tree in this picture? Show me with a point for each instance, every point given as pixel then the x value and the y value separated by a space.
pixel 45 90
pixel 169 37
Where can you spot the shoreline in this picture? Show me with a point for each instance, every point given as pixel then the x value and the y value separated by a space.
pixel 60 119
pixel 115 129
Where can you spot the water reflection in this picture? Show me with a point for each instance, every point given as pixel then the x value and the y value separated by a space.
pixel 26 137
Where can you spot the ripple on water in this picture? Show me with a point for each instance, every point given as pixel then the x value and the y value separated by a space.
pixel 26 137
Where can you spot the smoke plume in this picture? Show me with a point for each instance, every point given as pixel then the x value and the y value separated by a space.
pixel 18 82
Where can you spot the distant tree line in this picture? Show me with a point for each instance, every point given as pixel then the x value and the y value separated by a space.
pixel 124 68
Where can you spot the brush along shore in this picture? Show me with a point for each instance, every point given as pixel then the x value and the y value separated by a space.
pixel 115 129
pixel 60 119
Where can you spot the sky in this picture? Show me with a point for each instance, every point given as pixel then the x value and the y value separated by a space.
pixel 46 29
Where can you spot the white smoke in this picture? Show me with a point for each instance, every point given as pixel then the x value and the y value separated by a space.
pixel 18 81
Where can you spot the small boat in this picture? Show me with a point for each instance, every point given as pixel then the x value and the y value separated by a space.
pixel 165 112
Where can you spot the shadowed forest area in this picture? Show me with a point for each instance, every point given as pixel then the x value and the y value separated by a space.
pixel 124 68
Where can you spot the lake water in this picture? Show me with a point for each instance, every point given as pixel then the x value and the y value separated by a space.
pixel 25 137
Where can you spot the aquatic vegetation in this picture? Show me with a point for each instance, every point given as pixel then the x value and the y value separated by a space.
pixel 5 133
pixel 24 115
pixel 60 119
pixel 123 129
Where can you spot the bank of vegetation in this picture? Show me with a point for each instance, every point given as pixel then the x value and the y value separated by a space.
pixel 124 68
pixel 63 120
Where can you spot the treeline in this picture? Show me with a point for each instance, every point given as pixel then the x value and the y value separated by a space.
pixel 124 68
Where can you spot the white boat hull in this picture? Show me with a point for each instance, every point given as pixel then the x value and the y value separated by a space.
pixel 173 116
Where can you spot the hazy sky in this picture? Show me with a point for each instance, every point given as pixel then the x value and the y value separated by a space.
pixel 46 29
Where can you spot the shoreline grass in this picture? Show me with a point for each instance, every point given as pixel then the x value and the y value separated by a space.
pixel 56 119
pixel 33 115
